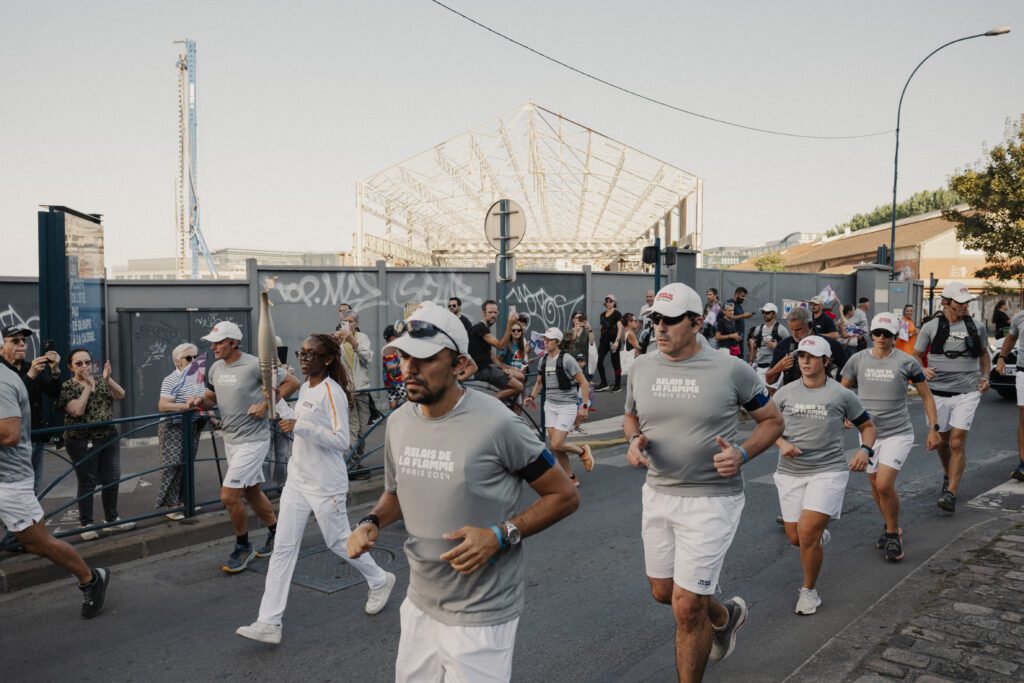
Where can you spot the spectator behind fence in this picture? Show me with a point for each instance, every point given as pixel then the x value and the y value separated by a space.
pixel 739 316
pixel 712 309
pixel 908 331
pixel 610 343
pixel 455 306
pixel 175 391
pixel 95 451
pixel 393 371
pixel 727 333
pixel 821 323
pixel 850 332
pixel 41 377
pixel 1001 319
pixel 481 349
pixel 583 338
pixel 516 356
pixel 357 354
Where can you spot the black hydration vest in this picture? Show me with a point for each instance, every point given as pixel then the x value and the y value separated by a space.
pixel 973 341
pixel 759 337
pixel 564 381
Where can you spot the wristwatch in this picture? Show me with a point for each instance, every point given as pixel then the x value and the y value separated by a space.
pixel 512 534
pixel 585 405
pixel 935 426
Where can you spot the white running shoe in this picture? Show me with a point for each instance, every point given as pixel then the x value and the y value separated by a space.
pixel 265 633
pixel 378 597
pixel 90 535
pixel 808 602
pixel 118 526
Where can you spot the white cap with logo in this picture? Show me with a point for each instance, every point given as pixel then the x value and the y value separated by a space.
pixel 814 345
pixel 429 330
pixel 553 333
pixel 769 308
pixel 675 300
pixel 225 329
pixel 957 291
pixel 885 321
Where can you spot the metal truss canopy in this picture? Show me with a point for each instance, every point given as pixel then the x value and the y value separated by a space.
pixel 588 199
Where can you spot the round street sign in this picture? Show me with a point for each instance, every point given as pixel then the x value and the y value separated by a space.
pixel 516 225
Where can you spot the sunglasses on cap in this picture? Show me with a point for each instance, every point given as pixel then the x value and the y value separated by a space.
pixel 658 318
pixel 421 329
pixel 882 333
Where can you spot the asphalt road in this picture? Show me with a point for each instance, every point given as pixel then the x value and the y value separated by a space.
pixel 589 616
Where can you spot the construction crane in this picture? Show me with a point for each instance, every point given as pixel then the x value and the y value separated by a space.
pixel 188 179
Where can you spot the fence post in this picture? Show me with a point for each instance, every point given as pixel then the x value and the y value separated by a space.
pixel 188 461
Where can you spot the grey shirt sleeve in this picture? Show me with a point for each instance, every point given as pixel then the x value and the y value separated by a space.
pixel 913 369
pixel 852 405
pixel 9 404
pixel 924 337
pixel 630 408
pixel 851 367
pixel 390 480
pixel 516 443
pixel 751 392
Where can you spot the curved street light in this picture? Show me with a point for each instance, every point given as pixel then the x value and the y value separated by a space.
pixel 1002 30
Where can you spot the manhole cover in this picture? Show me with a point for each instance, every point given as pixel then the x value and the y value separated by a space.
pixel 319 568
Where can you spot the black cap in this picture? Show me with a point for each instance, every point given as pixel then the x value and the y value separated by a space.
pixel 390 333
pixel 15 330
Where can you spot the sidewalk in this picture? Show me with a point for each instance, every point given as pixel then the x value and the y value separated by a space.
pixel 958 617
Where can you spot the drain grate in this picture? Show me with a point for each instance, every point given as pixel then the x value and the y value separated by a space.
pixel 320 569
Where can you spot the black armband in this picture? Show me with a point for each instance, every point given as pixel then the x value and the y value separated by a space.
pixel 864 417
pixel 536 469
pixel 759 401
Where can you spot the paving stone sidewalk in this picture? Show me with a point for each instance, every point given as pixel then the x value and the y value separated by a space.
pixel 958 617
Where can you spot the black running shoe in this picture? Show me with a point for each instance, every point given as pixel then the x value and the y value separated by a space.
pixel 947 501
pixel 601 387
pixel 267 549
pixel 616 388
pixel 893 548
pixel 1018 473
pixel 880 544
pixel 945 484
pixel 93 593
pixel 723 642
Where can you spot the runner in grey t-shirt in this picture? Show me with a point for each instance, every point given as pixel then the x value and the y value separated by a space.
pixel 958 375
pixel 682 406
pixel 561 413
pixel 16 458
pixel 1015 335
pixel 455 462
pixel 880 375
pixel 812 473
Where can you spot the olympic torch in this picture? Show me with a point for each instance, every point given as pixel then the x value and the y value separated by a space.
pixel 267 344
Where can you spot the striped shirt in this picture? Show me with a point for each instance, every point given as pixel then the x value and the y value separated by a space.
pixel 181 385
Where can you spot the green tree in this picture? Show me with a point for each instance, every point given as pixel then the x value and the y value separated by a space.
pixel 994 191
pixel 770 262
pixel 921 202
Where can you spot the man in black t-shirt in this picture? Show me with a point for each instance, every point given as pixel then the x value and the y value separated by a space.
pixel 822 323
pixel 455 306
pixel 481 346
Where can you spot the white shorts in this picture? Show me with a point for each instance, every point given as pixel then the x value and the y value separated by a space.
pixel 686 538
pixel 19 507
pixel 822 492
pixel 245 464
pixel 763 374
pixel 1020 387
pixel 891 451
pixel 560 416
pixel 429 651
pixel 957 412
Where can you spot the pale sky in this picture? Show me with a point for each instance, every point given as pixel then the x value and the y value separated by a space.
pixel 299 100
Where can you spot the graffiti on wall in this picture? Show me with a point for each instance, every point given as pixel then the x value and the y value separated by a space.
pixel 544 310
pixel 11 316
pixel 327 289
pixel 435 287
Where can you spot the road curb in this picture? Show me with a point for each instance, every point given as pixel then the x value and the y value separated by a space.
pixel 20 571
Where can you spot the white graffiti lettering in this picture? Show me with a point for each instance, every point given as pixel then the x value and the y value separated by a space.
pixel 545 310
pixel 327 289
pixel 435 287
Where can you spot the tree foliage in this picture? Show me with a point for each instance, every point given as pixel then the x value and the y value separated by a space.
pixel 995 193
pixel 922 202
pixel 770 262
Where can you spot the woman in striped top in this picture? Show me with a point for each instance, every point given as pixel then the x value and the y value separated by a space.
pixel 175 391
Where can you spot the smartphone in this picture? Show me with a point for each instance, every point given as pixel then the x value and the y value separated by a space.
pixel 512 312
pixel 345 326
pixel 48 346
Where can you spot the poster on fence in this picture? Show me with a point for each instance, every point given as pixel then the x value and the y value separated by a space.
pixel 789 304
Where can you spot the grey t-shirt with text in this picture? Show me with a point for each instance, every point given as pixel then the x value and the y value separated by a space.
pixel 958 375
pixel 882 387
pixel 454 471
pixel 814 424
pixel 552 394
pixel 682 406
pixel 15 461
pixel 238 386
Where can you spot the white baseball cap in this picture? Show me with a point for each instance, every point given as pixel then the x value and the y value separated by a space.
pixel 885 321
pixel 225 329
pixel 817 300
pixel 815 345
pixel 553 333
pixel 675 300
pixel 428 330
pixel 957 291
pixel 770 307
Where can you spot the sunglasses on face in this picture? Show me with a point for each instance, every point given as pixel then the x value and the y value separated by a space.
pixel 421 329
pixel 517 329
pixel 658 318
pixel 308 355
pixel 453 306
pixel 80 363
pixel 882 333
pixel 188 358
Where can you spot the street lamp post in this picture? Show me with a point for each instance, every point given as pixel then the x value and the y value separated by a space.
pixel 1002 30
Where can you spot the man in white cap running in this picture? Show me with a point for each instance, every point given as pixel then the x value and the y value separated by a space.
pixel 235 385
pixel 880 375
pixel 957 373
pixel 764 338
pixel 559 376
pixel 812 473
pixel 682 408
pixel 1015 335
pixel 454 464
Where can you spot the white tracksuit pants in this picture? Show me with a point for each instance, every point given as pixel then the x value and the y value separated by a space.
pixel 292 516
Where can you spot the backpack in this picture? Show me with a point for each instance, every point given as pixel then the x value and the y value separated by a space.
pixel 776 337
pixel 973 341
pixel 564 381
